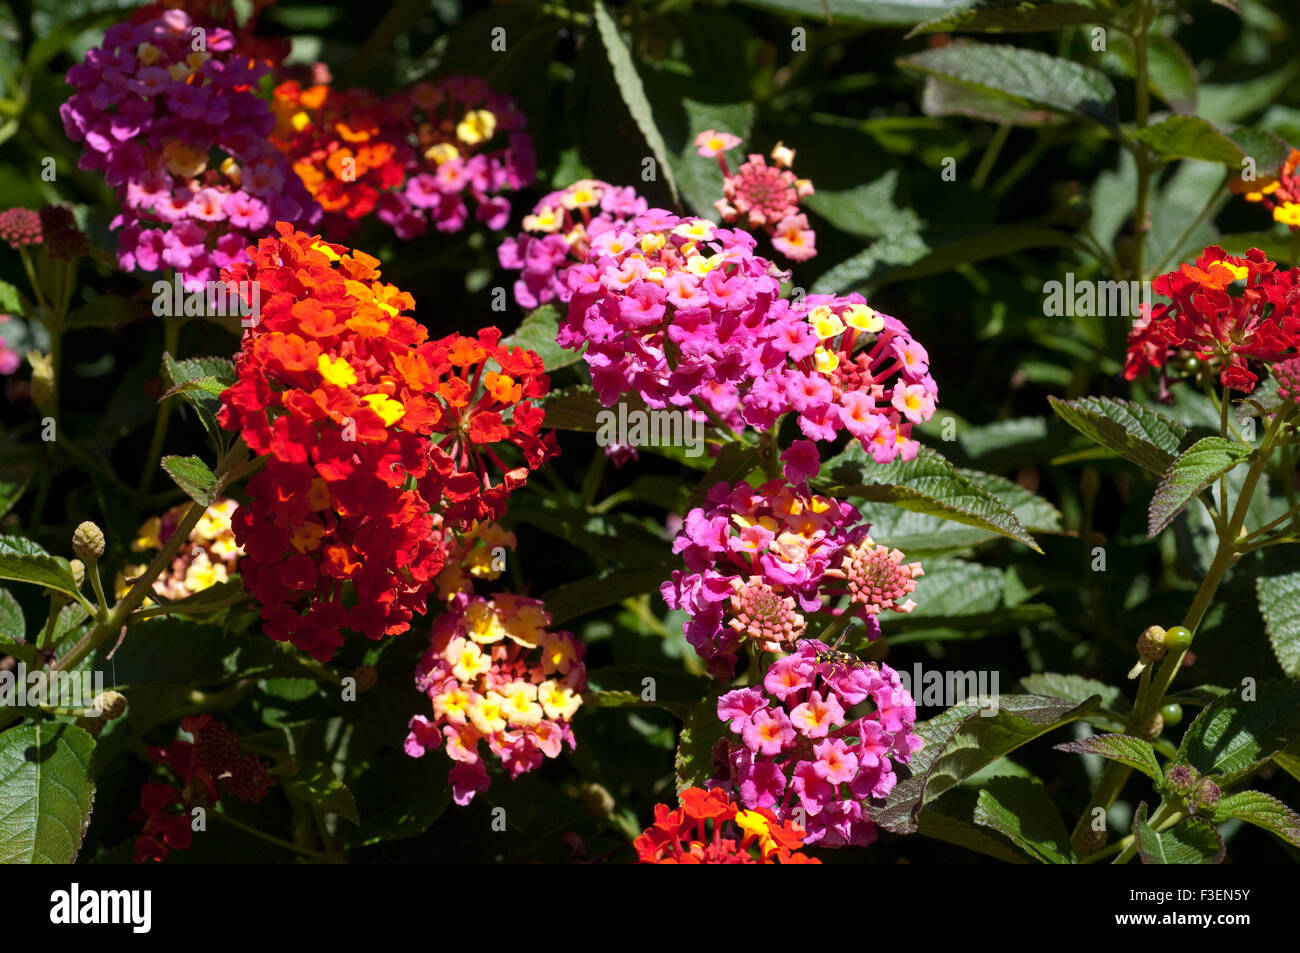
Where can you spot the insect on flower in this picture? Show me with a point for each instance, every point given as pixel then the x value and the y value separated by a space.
pixel 836 658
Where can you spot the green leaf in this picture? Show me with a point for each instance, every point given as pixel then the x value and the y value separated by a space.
pixel 1195 469
pixel 1279 603
pixel 1192 841
pixel 1232 737
pixel 316 784
pixel 193 476
pixel 1191 137
pixel 701 729
pixel 1022 75
pixel 945 827
pixel 399 796
pixel 1125 749
pixel 1010 16
pixel 877 12
pixel 927 484
pixel 577 598
pixel 46 792
pixel 537 334
pixel 1076 689
pixel 1021 810
pixel 1255 807
pixel 1136 433
pixel 13 628
pixel 633 92
pixel 21 560
pixel 964 739
pixel 868 209
pixel 622 686
pixel 167 651
pixel 199 381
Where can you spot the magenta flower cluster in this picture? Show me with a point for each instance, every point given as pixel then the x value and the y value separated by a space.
pixel 800 747
pixel 755 564
pixel 673 309
pixel 558 235
pixel 150 105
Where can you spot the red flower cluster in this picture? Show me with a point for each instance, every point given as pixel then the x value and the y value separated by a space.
pixel 1226 310
pixel 682 836
pixel 369 429
pixel 211 766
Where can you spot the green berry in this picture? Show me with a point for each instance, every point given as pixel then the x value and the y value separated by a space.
pixel 1178 639
pixel 1173 714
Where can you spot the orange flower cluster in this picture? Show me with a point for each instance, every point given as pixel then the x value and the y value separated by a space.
pixel 412 158
pixel 682 836
pixel 369 430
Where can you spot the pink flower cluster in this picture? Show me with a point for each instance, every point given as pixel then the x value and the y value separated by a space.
pixel 843 366
pixel 558 235
pixel 473 143
pixel 496 674
pixel 799 747
pixel 765 196
pixel 151 104
pixel 673 309
pixel 755 563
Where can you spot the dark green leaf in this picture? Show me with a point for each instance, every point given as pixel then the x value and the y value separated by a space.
pixel 1192 841
pixel 193 476
pixel 1255 807
pixel 1279 602
pixel 1125 749
pixel 1232 737
pixel 46 792
pixel 1137 433
pixel 1195 469
pixel 1010 16
pixel 316 784
pixel 537 333
pixel 1021 810
pixel 23 561
pixel 1022 75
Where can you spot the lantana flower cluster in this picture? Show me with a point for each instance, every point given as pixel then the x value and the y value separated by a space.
pixel 1280 194
pixel 763 196
pixel 804 742
pixel 558 235
pixel 152 104
pixel 673 309
pixel 843 366
pixel 495 674
pixel 755 564
pixel 411 159
pixel 206 769
pixel 710 828
pixel 369 430
pixel 209 556
pixel 1235 313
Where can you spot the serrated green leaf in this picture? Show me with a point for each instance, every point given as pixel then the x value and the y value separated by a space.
pixel 934 823
pixel 1192 841
pixel 1191 137
pixel 1194 469
pixel 537 334
pixel 46 792
pixel 193 476
pixel 701 729
pixel 1232 737
pixel 1125 749
pixel 1137 433
pixel 927 484
pixel 964 739
pixel 21 560
pixel 399 797
pixel 1021 810
pixel 633 91
pixel 1256 807
pixel 1076 689
pixel 1010 16
pixel 1022 75
pixel 1279 603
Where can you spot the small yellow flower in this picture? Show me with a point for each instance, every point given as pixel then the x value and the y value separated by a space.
pixel 443 152
pixel 861 318
pixel 478 126
pixel 825 322
pixel 336 370
pixel 389 410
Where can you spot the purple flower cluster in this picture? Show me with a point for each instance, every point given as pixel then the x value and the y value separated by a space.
pixel 558 234
pixel 755 564
pixel 800 749
pixel 150 105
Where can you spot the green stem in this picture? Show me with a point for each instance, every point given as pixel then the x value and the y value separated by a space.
pixel 270 838
pixel 990 155
pixel 171 339
pixel 1151 694
pixel 1143 110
